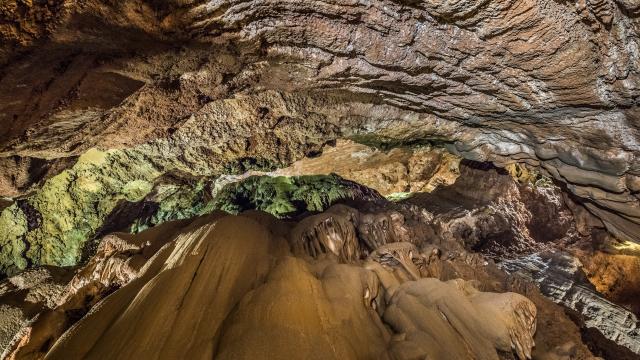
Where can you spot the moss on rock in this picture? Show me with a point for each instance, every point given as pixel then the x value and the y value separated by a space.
pixel 13 227
pixel 283 196
pixel 76 203
pixel 176 202
pixel 73 205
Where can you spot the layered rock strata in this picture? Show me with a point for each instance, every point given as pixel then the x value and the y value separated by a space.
pixel 127 114
pixel 560 279
pixel 553 84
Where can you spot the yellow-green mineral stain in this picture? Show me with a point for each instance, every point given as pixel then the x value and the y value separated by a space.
pixel 73 206
pixel 136 190
pixel 92 157
pixel 13 226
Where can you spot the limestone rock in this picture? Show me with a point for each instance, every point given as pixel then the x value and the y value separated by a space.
pixel 128 114
pixel 440 320
pixel 559 278
pixel 200 287
pixel 394 171
pixel 553 84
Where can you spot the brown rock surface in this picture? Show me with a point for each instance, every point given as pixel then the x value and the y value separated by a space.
pixel 546 89
pixel 616 276
pixel 24 296
pixel 394 171
pixel 550 83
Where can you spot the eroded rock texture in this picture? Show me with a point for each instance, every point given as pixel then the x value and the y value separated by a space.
pixel 515 122
pixel 398 170
pixel 559 277
pixel 553 84
pixel 550 83
pixel 365 278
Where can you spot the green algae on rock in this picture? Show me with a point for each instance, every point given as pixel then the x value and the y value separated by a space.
pixel 282 196
pixel 176 202
pixel 72 205
pixel 75 203
pixel 13 227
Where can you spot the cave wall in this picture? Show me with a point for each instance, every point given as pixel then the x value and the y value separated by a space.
pixel 201 87
pixel 549 83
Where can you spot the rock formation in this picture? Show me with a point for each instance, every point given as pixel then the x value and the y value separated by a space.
pixel 424 165
pixel 559 278
pixel 549 83
pixel 377 273
pixel 398 170
pixel 615 276
pixel 318 309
